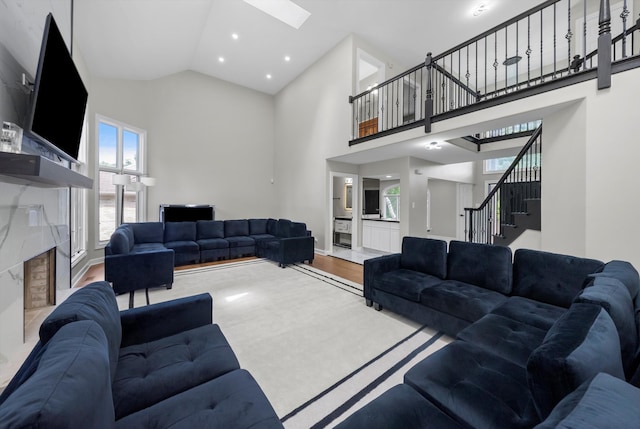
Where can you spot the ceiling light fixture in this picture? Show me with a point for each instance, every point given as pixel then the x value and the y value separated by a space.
pixel 287 58
pixel 235 36
pixel 480 9
pixel 512 60
pixel 284 10
pixel 269 76
pixel 220 59
pixel 433 146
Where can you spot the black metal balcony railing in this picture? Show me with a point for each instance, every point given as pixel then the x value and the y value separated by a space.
pixel 555 40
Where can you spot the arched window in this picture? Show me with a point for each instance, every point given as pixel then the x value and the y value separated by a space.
pixel 391 202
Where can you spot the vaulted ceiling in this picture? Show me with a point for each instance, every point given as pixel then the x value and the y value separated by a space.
pixel 148 39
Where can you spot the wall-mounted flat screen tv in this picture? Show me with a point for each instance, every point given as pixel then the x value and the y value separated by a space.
pixel 59 97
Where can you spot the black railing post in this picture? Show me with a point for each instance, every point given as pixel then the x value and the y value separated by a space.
pixel 428 102
pixel 604 45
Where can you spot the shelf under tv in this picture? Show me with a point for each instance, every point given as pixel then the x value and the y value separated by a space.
pixel 41 171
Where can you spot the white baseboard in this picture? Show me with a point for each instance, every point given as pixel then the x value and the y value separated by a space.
pixel 76 279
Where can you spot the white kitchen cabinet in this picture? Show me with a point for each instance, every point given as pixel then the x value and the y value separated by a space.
pixel 381 235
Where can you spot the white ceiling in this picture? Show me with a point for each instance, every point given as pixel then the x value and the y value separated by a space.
pixel 148 39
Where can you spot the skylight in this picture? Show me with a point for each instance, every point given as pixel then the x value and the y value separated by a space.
pixel 284 10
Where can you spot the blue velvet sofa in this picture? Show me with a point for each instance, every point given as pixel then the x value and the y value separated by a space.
pixel 143 255
pixel 137 258
pixel 160 366
pixel 561 350
pixel 280 240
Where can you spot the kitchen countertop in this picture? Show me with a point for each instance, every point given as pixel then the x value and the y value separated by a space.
pixel 382 220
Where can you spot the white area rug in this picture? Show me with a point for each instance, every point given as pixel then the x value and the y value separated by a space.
pixel 307 337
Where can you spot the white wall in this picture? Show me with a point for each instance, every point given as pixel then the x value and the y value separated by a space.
pixel 563 180
pixel 211 142
pixel 611 183
pixel 312 121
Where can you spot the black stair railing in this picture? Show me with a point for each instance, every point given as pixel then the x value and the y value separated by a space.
pixel 520 182
pixel 554 40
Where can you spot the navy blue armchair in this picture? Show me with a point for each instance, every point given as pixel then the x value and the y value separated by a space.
pixel 135 258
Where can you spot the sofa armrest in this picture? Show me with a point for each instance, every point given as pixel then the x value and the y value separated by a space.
pixel 296 249
pixel 141 270
pixel 155 321
pixel 375 267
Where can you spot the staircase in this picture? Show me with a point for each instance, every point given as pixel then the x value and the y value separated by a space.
pixel 513 205
pixel 522 221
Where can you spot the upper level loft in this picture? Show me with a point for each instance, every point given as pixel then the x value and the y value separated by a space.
pixel 556 44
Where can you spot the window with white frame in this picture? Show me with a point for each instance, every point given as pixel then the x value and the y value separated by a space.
pixel 78 214
pixel 391 202
pixel 120 156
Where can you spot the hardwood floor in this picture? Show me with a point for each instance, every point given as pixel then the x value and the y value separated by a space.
pixel 336 266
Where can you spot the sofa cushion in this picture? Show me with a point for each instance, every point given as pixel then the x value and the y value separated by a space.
pixel 399 407
pixel 407 284
pixel 424 255
pixel 258 226
pixel 465 301
pixel 298 229
pixel 240 241
pixel 508 338
pixel 528 311
pixel 478 387
pixel 572 352
pixel 483 265
pixel 624 272
pixel 179 231
pixel 206 229
pixel 613 296
pixel 96 302
pixel 283 228
pixel 168 366
pixel 236 228
pixel 148 247
pixel 183 247
pixel 233 400
pixel 272 227
pixel 550 277
pixel 213 243
pixel 128 230
pixel 602 402
pixel 119 242
pixel 71 386
pixel 148 232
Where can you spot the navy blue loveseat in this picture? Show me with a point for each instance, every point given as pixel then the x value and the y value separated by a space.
pixel 560 350
pixel 160 366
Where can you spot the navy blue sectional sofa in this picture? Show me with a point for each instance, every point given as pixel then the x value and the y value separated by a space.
pixel 160 366
pixel 143 255
pixel 558 347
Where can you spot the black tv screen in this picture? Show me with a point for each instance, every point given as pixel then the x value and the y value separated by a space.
pixel 59 97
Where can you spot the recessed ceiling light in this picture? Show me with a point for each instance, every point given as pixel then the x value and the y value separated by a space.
pixel 287 58
pixel 234 36
pixel 221 59
pixel 268 76
pixel 284 10
pixel 433 146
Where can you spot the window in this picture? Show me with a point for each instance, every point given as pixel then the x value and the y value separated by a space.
pixel 120 154
pixel 391 202
pixel 500 165
pixel 78 215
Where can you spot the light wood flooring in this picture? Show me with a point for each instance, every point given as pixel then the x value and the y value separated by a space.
pixel 336 266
